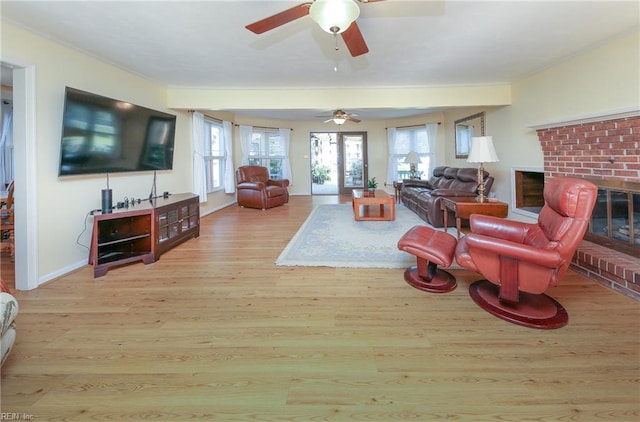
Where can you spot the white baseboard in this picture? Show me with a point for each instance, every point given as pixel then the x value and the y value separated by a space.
pixel 62 272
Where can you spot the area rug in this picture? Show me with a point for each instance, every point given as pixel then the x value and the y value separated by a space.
pixel 330 237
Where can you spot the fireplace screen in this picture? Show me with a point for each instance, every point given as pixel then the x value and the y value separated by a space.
pixel 616 217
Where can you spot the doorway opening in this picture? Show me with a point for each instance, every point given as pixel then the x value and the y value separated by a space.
pixel 324 163
pixel 338 162
pixel 7 248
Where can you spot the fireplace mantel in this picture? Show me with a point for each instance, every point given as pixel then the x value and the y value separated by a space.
pixel 589 118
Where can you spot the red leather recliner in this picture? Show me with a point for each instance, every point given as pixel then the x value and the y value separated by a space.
pixel 256 190
pixel 521 260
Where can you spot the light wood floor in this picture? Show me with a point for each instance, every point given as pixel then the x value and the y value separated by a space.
pixel 215 331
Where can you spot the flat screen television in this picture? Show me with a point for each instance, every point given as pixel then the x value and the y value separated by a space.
pixel 103 135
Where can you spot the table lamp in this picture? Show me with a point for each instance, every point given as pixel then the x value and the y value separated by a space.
pixel 482 151
pixel 413 158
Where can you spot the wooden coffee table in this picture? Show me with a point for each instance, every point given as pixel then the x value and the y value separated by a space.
pixel 463 207
pixel 362 206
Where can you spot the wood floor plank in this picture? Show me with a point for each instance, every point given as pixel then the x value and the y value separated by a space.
pixel 215 331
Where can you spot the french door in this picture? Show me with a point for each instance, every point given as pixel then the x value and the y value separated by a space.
pixel 352 161
pixel 338 162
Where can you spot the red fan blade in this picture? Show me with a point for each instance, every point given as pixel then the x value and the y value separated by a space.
pixel 354 40
pixel 279 19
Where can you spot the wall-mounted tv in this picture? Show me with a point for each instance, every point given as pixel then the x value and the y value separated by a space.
pixel 103 135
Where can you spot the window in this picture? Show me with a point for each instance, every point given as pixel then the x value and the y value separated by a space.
pixel 214 155
pixel 267 150
pixel 415 139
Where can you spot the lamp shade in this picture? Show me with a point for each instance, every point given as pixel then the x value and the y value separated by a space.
pixel 482 150
pixel 412 158
pixel 334 16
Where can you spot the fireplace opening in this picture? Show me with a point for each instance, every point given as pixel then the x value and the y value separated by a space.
pixel 615 222
pixel 528 191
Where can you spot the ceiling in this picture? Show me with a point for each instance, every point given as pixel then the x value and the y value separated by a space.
pixel 411 42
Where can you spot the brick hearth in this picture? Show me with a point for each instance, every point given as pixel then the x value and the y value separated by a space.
pixel 612 269
pixel 606 149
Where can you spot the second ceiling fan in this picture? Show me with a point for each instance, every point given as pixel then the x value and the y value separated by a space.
pixel 333 16
pixel 340 116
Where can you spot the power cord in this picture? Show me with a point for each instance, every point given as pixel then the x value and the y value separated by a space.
pixel 92 212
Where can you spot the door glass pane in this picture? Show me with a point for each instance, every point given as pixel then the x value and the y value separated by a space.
pixel 324 163
pixel 353 161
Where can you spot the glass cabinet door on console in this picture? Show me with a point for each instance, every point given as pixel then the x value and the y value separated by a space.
pixel 167 225
pixel 194 214
pixel 176 221
pixel 189 215
pixel 184 217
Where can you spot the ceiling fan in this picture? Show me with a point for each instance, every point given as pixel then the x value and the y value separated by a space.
pixel 333 16
pixel 341 116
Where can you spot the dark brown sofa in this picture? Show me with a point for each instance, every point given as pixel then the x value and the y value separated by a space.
pixel 256 190
pixel 424 196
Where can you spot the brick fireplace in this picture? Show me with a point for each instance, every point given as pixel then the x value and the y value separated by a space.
pixel 606 151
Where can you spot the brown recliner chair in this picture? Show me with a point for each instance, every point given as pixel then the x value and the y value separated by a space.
pixel 521 260
pixel 256 190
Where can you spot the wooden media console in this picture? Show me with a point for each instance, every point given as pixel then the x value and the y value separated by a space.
pixel 142 232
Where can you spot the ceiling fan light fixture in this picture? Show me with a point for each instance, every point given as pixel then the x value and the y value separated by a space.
pixel 334 16
pixel 339 120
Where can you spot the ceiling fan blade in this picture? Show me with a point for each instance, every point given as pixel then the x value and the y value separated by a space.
pixel 330 120
pixel 353 119
pixel 354 40
pixel 279 19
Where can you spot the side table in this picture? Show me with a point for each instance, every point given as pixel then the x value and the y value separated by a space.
pixel 464 206
pixel 398 187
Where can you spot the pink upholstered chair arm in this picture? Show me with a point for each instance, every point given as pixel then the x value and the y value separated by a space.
pixel 251 185
pixel 500 247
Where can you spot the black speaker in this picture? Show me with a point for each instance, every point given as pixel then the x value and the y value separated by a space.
pixel 106 201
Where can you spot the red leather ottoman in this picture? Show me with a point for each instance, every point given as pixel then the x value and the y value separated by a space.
pixel 431 248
